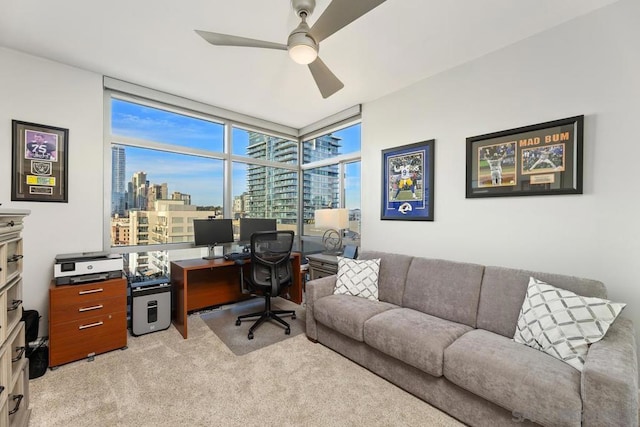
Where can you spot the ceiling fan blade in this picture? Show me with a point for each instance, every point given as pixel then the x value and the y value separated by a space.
pixel 229 40
pixel 326 81
pixel 339 14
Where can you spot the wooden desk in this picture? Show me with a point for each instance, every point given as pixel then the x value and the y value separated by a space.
pixel 200 283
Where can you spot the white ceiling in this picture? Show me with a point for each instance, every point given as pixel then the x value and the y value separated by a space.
pixel 152 43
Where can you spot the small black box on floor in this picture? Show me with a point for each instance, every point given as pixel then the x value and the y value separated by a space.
pixel 150 308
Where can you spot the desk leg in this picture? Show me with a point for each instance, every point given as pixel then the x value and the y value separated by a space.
pixel 179 298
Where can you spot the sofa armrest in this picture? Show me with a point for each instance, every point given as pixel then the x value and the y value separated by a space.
pixel 316 289
pixel 610 379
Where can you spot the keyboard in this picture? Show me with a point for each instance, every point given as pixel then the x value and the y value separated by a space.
pixel 233 256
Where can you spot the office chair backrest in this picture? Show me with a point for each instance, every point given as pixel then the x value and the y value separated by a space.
pixel 270 259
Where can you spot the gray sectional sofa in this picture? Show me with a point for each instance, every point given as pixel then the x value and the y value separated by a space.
pixel 443 330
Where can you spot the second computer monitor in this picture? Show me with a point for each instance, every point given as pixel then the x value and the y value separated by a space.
pixel 248 226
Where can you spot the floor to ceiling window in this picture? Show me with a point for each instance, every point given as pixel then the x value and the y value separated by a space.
pixel 331 179
pixel 170 165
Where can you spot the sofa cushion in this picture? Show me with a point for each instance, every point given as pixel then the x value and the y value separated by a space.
pixel 503 291
pixel 358 277
pixel 528 382
pixel 445 289
pixel 393 274
pixel 416 338
pixel 562 323
pixel 346 313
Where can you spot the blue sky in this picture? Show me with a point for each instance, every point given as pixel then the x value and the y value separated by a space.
pixel 201 177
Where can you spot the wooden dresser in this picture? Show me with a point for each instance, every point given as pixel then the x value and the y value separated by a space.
pixel 86 320
pixel 14 366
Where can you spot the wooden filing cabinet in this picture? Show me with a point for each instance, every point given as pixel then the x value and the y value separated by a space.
pixel 14 366
pixel 321 265
pixel 86 320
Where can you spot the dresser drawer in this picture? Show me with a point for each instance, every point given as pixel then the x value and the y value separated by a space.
pixel 17 350
pixel 10 260
pixel 10 225
pixel 86 294
pixel 82 338
pixel 68 310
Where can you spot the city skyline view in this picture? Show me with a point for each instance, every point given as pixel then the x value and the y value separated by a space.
pixel 198 175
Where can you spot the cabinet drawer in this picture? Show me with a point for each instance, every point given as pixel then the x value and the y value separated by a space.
pixel 87 293
pixel 68 310
pixel 16 349
pixel 10 224
pixel 11 306
pixel 10 260
pixel 81 338
pixel 18 401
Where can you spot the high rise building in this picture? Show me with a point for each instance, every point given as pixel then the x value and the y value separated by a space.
pixel 273 191
pixel 118 191
pixel 140 186
pixel 321 185
pixel 176 195
pixel 156 192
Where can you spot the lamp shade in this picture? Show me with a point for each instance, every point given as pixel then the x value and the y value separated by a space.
pixel 337 219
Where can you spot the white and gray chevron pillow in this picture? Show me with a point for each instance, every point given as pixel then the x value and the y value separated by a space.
pixel 358 277
pixel 562 323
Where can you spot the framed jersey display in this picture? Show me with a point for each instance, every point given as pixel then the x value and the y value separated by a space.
pixel 39 167
pixel 407 182
pixel 533 160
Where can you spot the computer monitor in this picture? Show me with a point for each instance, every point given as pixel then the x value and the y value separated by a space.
pixel 211 233
pixel 248 226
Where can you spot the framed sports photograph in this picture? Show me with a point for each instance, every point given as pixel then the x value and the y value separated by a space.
pixel 540 159
pixel 39 167
pixel 407 182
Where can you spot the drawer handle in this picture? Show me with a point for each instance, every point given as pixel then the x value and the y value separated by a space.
pixel 15 258
pixel 17 397
pixel 90 325
pixel 20 351
pixel 90 291
pixel 9 224
pixel 14 305
pixel 94 307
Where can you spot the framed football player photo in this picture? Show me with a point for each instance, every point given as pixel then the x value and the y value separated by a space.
pixel 540 159
pixel 407 182
pixel 39 167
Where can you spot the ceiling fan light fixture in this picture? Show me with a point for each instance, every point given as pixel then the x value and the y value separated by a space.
pixel 302 48
pixel 303 54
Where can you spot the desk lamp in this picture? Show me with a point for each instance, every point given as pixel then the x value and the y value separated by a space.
pixel 335 221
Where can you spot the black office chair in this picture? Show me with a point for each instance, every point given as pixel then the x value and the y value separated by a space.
pixel 270 272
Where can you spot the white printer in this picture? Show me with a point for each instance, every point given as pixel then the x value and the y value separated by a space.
pixel 77 268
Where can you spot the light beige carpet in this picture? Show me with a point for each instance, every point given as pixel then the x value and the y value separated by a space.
pixel 223 324
pixel 164 380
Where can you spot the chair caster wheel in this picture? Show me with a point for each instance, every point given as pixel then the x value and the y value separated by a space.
pixel 287 331
pixel 293 316
pixel 250 336
pixel 238 322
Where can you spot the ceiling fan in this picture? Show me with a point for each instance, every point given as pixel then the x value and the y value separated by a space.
pixel 304 42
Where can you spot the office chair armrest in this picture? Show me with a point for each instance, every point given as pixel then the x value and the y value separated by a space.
pixel 316 289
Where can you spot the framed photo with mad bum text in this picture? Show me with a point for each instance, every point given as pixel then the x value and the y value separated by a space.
pixel 541 159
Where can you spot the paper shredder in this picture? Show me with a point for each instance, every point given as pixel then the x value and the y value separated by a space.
pixel 151 308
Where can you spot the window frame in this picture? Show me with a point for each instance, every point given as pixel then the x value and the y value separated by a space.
pixel 229 120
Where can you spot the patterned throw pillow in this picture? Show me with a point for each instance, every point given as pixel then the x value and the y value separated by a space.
pixel 562 323
pixel 358 277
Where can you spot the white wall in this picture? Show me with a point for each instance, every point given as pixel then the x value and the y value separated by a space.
pixel 40 91
pixel 589 66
